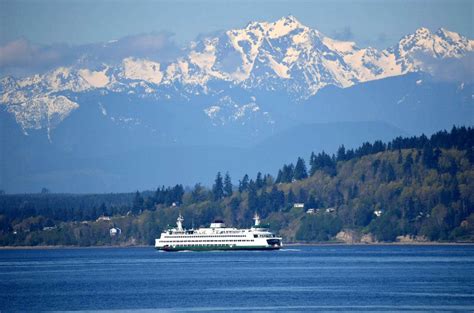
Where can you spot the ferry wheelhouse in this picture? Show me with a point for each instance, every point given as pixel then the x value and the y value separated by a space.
pixel 218 237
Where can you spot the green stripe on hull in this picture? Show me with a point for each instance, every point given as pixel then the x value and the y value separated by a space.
pixel 214 248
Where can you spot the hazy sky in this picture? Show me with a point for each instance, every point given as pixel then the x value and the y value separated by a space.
pixel 374 22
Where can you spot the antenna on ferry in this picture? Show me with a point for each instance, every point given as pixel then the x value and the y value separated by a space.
pixel 179 222
pixel 256 218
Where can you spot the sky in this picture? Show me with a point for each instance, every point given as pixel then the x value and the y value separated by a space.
pixel 87 21
pixel 29 26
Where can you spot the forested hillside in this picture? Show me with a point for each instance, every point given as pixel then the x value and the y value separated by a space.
pixel 414 188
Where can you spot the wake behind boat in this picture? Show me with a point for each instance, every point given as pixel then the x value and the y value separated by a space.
pixel 218 237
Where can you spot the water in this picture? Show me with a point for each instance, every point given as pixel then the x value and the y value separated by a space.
pixel 320 278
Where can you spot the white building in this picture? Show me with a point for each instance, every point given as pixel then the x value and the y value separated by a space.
pixel 103 218
pixel 114 231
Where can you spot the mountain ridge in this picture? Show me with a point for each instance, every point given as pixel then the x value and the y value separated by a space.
pixel 113 127
pixel 95 152
pixel 282 55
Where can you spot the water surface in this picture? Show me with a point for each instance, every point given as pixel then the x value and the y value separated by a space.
pixel 306 278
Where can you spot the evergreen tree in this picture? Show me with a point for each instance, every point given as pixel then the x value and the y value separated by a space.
pixel 138 201
pixel 264 203
pixel 375 166
pixel 323 162
pixel 453 168
pixel 387 172
pixel 157 196
pixel 302 196
pixel 252 197
pixel 341 153
pixel 436 154
pixel 102 209
pixel 259 181
pixel 287 173
pixel 218 188
pixel 168 195
pixel 377 147
pixel 300 170
pixel 234 205
pixel 279 177
pixel 350 154
pixel 277 198
pixel 390 173
pixel 408 164
pixel 227 185
pixel 199 193
pixel 470 154
pixel 267 180
pixel 176 194
pixel 244 183
pixel 290 198
pixel 312 160
pixel 160 195
pixel 428 156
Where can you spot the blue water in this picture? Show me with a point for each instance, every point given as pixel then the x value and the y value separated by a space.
pixel 320 278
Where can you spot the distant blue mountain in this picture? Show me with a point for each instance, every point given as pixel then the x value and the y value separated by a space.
pixel 89 152
pixel 245 101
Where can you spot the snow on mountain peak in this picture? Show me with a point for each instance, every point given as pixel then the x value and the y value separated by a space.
pixel 43 111
pixel 97 79
pixel 289 19
pixel 339 46
pixel 423 31
pixel 448 35
pixel 283 26
pixel 441 44
pixel 227 110
pixel 280 55
pixel 140 69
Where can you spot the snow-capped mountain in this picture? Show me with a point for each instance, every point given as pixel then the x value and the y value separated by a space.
pixel 283 56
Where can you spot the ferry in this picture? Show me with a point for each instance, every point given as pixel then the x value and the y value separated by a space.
pixel 218 237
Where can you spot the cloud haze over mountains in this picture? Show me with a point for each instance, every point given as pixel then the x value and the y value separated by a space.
pixel 22 58
pixel 92 111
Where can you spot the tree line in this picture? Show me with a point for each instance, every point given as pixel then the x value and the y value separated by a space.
pixel 422 185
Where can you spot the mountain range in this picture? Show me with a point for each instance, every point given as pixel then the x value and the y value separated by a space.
pixel 242 100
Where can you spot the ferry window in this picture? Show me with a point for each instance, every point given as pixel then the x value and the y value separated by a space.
pixel 255 236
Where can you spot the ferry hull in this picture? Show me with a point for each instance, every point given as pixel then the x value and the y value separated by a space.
pixel 216 248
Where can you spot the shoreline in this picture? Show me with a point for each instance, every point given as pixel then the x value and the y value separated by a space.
pixel 291 244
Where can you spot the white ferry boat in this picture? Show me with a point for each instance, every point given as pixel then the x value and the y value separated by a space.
pixel 218 237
